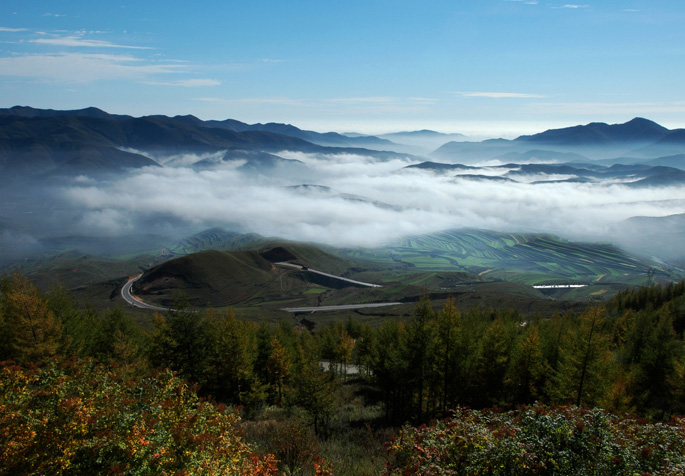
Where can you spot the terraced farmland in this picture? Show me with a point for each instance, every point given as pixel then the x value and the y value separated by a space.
pixel 526 258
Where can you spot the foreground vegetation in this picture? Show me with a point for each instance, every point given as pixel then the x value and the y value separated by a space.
pixel 67 413
pixel 540 440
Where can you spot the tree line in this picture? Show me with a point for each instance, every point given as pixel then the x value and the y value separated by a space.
pixel 626 356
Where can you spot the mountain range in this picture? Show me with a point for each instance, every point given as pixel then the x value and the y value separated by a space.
pixel 638 137
pixel 39 141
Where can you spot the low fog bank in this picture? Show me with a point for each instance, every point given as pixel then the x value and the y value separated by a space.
pixel 352 200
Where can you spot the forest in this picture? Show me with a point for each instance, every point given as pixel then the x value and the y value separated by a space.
pixel 203 391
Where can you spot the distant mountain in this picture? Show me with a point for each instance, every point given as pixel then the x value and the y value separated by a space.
pixel 677 161
pixel 660 177
pixel 327 139
pixel 638 137
pixel 637 130
pixel 74 143
pixel 426 140
pixel 25 111
pixel 440 167
pixel 672 143
pixel 633 175
pixel 470 152
pixel 36 142
pixel 538 155
pixel 252 160
pixel 484 178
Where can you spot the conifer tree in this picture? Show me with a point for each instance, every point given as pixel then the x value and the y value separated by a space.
pixel 584 360
pixel 420 339
pixel 525 376
pixel 232 351
pixel 449 353
pixel 278 369
pixel 31 331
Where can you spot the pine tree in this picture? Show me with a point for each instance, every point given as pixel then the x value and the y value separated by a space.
pixel 449 353
pixel 231 356
pixel 525 376
pixel 31 331
pixel 584 360
pixel 419 352
pixel 278 369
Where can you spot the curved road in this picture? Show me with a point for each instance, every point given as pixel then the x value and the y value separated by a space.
pixel 134 301
pixel 342 307
pixel 137 302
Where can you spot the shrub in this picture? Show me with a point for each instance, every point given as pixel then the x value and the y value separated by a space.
pixel 81 418
pixel 539 440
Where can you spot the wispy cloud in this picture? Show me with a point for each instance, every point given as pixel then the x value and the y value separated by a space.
pixel 79 42
pixel 498 95
pixel 4 28
pixel 187 83
pixel 572 6
pixel 53 15
pixel 79 68
pixel 364 100
pixel 382 100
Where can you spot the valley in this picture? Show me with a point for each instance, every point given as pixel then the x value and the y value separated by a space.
pixel 263 217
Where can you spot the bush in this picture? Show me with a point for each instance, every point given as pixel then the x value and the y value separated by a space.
pixel 82 418
pixel 540 440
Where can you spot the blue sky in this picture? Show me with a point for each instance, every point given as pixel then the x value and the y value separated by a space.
pixel 497 67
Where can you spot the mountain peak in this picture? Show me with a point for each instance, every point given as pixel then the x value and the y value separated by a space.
pixel 637 129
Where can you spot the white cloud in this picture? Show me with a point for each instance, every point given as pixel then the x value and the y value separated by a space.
pixel 79 42
pixel 572 6
pixel 499 95
pixel 3 28
pixel 73 67
pixel 364 99
pixel 187 83
pixel 421 202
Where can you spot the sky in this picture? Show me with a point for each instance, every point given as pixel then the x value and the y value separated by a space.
pixel 482 68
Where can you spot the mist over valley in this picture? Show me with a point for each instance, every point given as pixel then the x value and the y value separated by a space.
pixel 115 187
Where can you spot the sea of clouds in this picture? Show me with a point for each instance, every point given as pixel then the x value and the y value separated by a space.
pixel 366 202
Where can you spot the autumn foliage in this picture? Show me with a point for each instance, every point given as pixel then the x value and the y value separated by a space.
pixel 81 418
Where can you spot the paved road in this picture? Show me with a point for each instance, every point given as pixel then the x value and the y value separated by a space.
pixel 133 301
pixel 352 281
pixel 137 302
pixel 343 307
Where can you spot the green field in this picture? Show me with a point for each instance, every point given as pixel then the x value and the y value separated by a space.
pixel 526 258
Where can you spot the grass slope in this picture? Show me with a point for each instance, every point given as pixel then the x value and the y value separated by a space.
pixel 216 277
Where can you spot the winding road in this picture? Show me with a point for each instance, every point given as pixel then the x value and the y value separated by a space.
pixel 134 301
pixel 137 302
